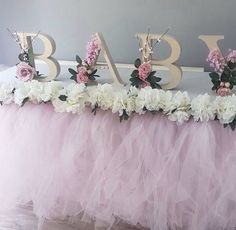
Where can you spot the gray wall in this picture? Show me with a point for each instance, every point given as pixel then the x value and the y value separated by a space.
pixel 71 22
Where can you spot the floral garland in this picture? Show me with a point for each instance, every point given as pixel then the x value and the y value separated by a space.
pixel 224 76
pixel 73 98
pixel 86 69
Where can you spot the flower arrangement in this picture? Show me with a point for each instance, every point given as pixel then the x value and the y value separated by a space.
pixel 25 68
pixel 86 69
pixel 143 76
pixel 74 98
pixel 224 75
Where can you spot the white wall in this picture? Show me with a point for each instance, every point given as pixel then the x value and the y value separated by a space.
pixel 71 22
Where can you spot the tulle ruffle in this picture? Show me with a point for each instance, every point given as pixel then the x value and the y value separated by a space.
pixel 146 170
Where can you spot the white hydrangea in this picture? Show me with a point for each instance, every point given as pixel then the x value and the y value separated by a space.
pixel 120 102
pixel 202 108
pixel 75 99
pixel 6 93
pixel 102 96
pixel 225 108
pixel 181 101
pixel 50 90
pixel 36 89
pixel 22 92
pixel 166 101
pixel 179 116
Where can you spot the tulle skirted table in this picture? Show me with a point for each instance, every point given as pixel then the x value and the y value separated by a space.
pixel 146 170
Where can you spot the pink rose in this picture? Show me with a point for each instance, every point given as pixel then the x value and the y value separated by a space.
pixel 25 72
pixel 82 75
pixel 144 70
pixel 216 60
pixel 145 84
pixel 223 91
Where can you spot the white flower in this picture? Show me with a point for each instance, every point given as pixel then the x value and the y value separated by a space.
pixel 120 102
pixel 6 93
pixel 102 96
pixel 75 98
pixel 225 108
pixel 181 100
pixel 179 116
pixel 202 108
pixel 36 89
pixel 50 90
pixel 22 92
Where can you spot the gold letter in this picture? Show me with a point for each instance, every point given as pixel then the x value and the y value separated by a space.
pixel 175 71
pixel 50 48
pixel 211 41
pixel 108 58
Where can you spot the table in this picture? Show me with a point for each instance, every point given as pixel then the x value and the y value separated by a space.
pixel 146 170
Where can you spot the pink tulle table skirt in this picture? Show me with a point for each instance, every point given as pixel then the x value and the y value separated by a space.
pixel 145 170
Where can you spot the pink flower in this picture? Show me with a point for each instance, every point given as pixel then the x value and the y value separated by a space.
pixel 25 72
pixel 82 75
pixel 93 49
pixel 216 60
pixel 223 91
pixel 145 84
pixel 144 70
pixel 231 56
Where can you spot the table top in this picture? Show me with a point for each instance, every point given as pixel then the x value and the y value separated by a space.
pixel 193 82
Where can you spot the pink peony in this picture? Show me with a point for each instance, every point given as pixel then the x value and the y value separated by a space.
pixel 223 91
pixel 144 70
pixel 82 75
pixel 216 60
pixel 231 56
pixel 25 72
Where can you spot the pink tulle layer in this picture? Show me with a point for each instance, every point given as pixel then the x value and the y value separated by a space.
pixel 145 170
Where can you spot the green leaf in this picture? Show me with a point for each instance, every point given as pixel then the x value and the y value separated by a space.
pixel 78 59
pixel 73 78
pixel 155 85
pixel 124 116
pixel 92 78
pixel 95 75
pixel 137 63
pixel 225 77
pixel 94 110
pixel 233 73
pixel 154 79
pixel 134 73
pixel 62 97
pixel 152 73
pixel 214 75
pixel 214 88
pixel 24 101
pixel 232 125
pixel 73 72
pixel 231 65
pixel 233 81
pixel 95 71
pixel 136 80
